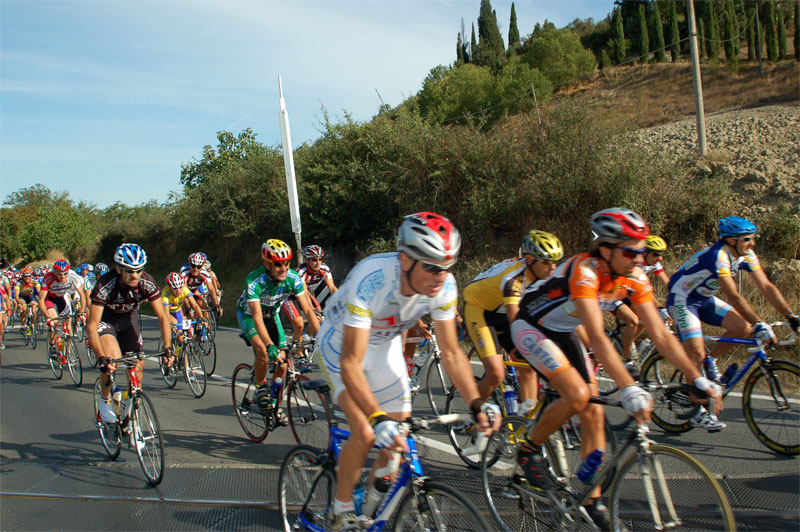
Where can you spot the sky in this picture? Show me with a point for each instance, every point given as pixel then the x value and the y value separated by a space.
pixel 106 99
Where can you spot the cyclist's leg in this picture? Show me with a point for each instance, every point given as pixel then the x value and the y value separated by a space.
pixel 111 349
pixel 51 313
pixel 626 314
pixel 735 326
pixel 688 326
pixel 527 378
pixel 483 338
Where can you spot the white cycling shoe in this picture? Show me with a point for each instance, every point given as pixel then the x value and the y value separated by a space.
pixel 107 413
pixel 708 421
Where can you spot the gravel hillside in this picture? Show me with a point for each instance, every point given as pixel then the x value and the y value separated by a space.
pixel 758 149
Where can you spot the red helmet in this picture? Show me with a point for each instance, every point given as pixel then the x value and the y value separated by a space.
pixel 616 225
pixel 313 252
pixel 176 281
pixel 61 266
pixel 428 236
pixel 197 259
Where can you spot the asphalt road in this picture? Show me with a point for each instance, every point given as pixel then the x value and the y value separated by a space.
pixel 54 473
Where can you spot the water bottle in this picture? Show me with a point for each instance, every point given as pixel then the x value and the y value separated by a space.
pixel 59 344
pixel 276 387
pixel 590 465
pixel 510 399
pixel 375 494
pixel 116 395
pixel 729 373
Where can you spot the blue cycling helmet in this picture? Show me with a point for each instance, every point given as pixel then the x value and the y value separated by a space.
pixel 735 226
pixel 130 255
pixel 100 269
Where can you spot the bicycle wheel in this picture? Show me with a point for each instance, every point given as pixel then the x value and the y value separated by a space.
pixel 672 409
pixel 80 331
pixel 436 506
pixel 149 443
pixel 54 360
pixel 26 335
pixel 73 361
pixel 308 415
pixel 212 323
pixel 437 385
pixel 90 356
pixel 34 336
pixel 209 349
pixel 771 405
pixel 193 369
pixel 250 417
pixel 110 434
pixel 668 479
pixel 303 483
pixel 169 373
pixel 569 438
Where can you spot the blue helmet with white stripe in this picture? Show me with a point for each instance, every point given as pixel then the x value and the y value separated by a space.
pixel 131 256
pixel 735 226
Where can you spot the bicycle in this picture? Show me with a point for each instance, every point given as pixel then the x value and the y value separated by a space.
pixel 79 326
pixel 770 397
pixel 136 418
pixel 305 414
pixel 206 344
pixel 64 352
pixel 29 333
pixel 428 363
pixel 651 486
pixel 307 484
pixel 468 444
pixel 188 358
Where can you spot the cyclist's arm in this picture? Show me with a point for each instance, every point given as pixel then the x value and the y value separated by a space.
pixel 737 300
pixel 163 321
pixel 661 276
pixel 627 315
pixel 591 317
pixel 42 297
pixel 512 309
pixel 214 300
pixel 84 298
pixel 331 287
pixel 308 310
pixel 771 292
pixel 92 330
pixel 195 307
pixel 258 321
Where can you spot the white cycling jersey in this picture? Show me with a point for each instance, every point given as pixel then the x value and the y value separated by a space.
pixel 370 299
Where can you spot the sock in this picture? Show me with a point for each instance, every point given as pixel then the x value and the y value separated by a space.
pixel 340 507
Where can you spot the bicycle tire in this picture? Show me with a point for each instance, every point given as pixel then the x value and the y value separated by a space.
pixel 55 362
pixel 297 487
pixel 309 415
pixel 698 499
pixel 34 337
pixel 437 386
pixel 110 433
pixel 209 349
pixel 80 330
pixel 672 409
pixel 144 425
pixel 73 362
pixel 462 435
pixel 168 373
pixel 250 417
pixel 442 508
pixel 26 338
pixel 771 405
pixel 193 369
pixel 90 356
pixel 569 438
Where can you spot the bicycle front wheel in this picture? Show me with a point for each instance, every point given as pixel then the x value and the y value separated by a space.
pixel 435 506
pixel 668 488
pixel 437 385
pixel 90 356
pixel 305 491
pixel 34 339
pixel 771 405
pixel 463 435
pixel 54 358
pixel 73 361
pixel 110 434
pixel 672 409
pixel 308 415
pixel 208 347
pixel 243 390
pixel 169 373
pixel 193 369
pixel 148 440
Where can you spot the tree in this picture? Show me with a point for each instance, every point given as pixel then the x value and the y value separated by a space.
pixel 559 55
pixel 474 50
pixel 491 42
pixel 701 36
pixel 797 30
pixel 781 35
pixel 751 31
pixel 674 35
pixel 731 34
pixel 644 38
pixel 618 38
pixel 771 33
pixel 605 61
pixel 459 51
pixel 659 28
pixel 513 30
pixel 713 32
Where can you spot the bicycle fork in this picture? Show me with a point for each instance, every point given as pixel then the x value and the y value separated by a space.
pixel 653 473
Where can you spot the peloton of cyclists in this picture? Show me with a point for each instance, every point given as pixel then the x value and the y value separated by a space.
pixel 54 296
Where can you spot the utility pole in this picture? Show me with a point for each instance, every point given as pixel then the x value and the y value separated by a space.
pixel 698 82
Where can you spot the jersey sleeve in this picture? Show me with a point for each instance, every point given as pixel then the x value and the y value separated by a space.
pixel 297 285
pixel 512 289
pixel 584 282
pixel 446 302
pixel 751 262
pixel 360 297
pixel 253 289
pixel 722 263
pixel 641 291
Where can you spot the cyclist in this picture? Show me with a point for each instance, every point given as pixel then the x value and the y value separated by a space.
pixel 113 325
pixel 175 297
pixel 360 344
pixel 199 281
pixel 217 286
pixel 266 288
pixel 54 296
pixel 5 306
pixel 691 299
pixel 316 274
pixel 491 304
pixel 577 293
pixel 656 246
pixel 27 290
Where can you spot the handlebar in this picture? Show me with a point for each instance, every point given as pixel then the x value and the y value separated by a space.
pixel 755 344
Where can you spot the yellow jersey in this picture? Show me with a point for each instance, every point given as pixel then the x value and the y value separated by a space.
pixel 500 285
pixel 174 303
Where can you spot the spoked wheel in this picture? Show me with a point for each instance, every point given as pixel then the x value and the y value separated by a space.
pixel 169 373
pixel 26 335
pixel 771 404
pixel 110 434
pixel 90 355
pixel 73 361
pixel 146 434
pixel 54 359
pixel 463 435
pixel 212 323
pixel 308 415
pixel 34 339
pixel 193 369
pixel 672 409
pixel 243 389
pixel 437 385
pixel 208 348
pixel 435 506
pixel 297 489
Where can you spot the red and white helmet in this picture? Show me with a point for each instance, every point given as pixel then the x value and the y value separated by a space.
pixel 313 252
pixel 197 259
pixel 176 281
pixel 428 236
pixel 617 225
pixel 61 266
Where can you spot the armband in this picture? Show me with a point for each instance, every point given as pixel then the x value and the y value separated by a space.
pixel 373 418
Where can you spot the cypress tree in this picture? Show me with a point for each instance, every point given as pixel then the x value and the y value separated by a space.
pixel 605 61
pixel 713 32
pixel 674 47
pixel 491 42
pixel 618 38
pixel 513 30
pixel 797 30
pixel 474 50
pixel 749 12
pixel 701 36
pixel 781 35
pixel 659 27
pixel 459 51
pixel 772 33
pixel 644 38
pixel 731 38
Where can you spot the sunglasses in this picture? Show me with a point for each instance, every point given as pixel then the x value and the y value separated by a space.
pixel 657 255
pixel 280 265
pixel 132 272
pixel 193 267
pixel 434 269
pixel 315 260
pixel 747 239
pixel 631 253
pixel 61 274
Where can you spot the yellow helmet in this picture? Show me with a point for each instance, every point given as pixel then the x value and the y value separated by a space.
pixel 274 250
pixel 656 243
pixel 542 246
